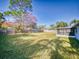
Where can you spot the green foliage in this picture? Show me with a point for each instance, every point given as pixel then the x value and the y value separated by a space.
pixel 7 13
pixel 17 10
pixel 13 13
pixel 61 24
pixel 2 19
pixel 74 21
pixel 52 27
pixel 20 5
pixel 1 16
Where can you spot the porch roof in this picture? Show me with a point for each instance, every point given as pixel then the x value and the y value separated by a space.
pixel 69 27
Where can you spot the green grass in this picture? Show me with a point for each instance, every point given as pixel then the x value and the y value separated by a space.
pixel 38 46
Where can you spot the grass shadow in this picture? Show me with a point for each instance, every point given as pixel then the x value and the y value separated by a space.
pixel 21 49
pixel 12 48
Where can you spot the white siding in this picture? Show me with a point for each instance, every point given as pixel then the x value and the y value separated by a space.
pixel 77 33
pixel 65 36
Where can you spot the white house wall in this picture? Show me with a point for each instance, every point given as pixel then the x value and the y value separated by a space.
pixel 77 33
pixel 65 36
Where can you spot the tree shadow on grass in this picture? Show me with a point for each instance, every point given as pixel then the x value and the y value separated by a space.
pixel 58 48
pixel 74 45
pixel 15 51
pixel 21 49
pixel 59 51
pixel 12 48
pixel 55 46
pixel 68 52
pixel 55 53
pixel 25 49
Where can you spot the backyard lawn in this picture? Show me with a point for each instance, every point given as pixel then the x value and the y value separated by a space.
pixel 38 46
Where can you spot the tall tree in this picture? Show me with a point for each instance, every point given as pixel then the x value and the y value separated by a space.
pixel 26 21
pixel 21 5
pixel 21 10
pixel 74 21
pixel 61 24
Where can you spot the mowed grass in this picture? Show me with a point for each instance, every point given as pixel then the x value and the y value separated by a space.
pixel 38 46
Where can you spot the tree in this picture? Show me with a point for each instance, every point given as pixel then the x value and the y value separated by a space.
pixel 21 11
pixel 74 21
pixel 21 5
pixel 2 19
pixel 41 27
pixel 61 24
pixel 52 27
pixel 26 21
pixel 18 7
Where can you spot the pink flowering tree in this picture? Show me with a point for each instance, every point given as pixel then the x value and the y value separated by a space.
pixel 21 11
pixel 25 21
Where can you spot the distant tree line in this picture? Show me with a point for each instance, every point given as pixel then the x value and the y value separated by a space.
pixel 63 24
pixel 59 24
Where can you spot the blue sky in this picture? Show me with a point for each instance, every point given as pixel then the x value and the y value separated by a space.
pixel 4 5
pixel 50 11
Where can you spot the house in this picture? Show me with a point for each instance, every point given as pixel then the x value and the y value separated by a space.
pixel 8 27
pixel 70 31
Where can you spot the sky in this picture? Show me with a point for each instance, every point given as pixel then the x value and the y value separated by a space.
pixel 4 5
pixel 49 12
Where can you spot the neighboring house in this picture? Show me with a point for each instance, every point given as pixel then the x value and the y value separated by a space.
pixel 8 26
pixel 70 31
